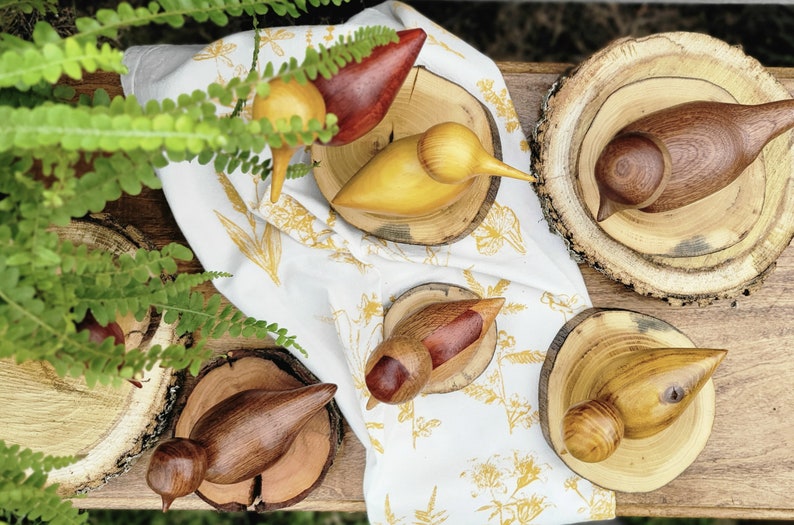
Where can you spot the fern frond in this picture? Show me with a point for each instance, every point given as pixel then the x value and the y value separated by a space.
pixel 174 13
pixel 327 61
pixel 28 6
pixel 24 64
pixel 38 315
pixel 27 66
pixel 23 492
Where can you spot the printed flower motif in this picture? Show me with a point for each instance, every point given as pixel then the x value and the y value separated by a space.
pixel 500 227
pixel 485 476
pixel 566 304
pixel 373 426
pixel 502 102
pixel 290 216
pixel 370 308
pixel 270 37
pixel 497 290
pixel 329 34
pixel 600 505
pixel 433 41
pixel 261 246
pixel 263 249
pixel 427 516
pixel 504 481
pixel 218 51
pixel 363 329
pixel 434 255
pixel 528 471
pixel 420 427
pixel 491 389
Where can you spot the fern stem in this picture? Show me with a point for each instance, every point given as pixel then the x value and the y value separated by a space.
pixel 143 16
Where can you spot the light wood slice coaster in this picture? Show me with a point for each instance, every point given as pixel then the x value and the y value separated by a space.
pixel 450 376
pixel 425 99
pixel 304 465
pixel 106 427
pixel 719 246
pixel 636 369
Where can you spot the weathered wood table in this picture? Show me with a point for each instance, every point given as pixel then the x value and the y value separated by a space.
pixel 747 467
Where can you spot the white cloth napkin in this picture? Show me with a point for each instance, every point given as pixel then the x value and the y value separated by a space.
pixel 472 456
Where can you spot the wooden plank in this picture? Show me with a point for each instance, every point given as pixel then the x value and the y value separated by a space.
pixel 746 469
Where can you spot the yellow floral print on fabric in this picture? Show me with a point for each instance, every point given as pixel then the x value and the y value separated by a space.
pixel 262 245
pixel 430 515
pixel 427 516
pixel 505 109
pixel 364 328
pixel 490 388
pixel 566 304
pixel 263 249
pixel 373 426
pixel 292 217
pixel 391 518
pixel 434 255
pixel 433 41
pixel 271 37
pixel 501 480
pixel 497 290
pixel 500 227
pixel 502 102
pixel 431 35
pixel 329 34
pixel 599 506
pixel 218 51
pixel 420 426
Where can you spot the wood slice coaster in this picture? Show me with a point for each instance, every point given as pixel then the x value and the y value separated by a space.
pixel 424 100
pixel 306 462
pixel 718 247
pixel 106 427
pixel 578 357
pixel 451 375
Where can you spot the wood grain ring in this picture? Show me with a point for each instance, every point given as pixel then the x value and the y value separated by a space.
pixel 106 427
pixel 305 464
pixel 575 360
pixel 704 265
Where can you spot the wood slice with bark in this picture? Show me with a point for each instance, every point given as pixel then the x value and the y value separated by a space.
pixel 106 427
pixel 586 352
pixel 303 467
pixel 720 246
pixel 424 99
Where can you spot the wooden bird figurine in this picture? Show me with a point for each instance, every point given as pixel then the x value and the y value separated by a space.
pixel 359 94
pixel 441 334
pixel 234 440
pixel 681 154
pixel 643 392
pixel 421 173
